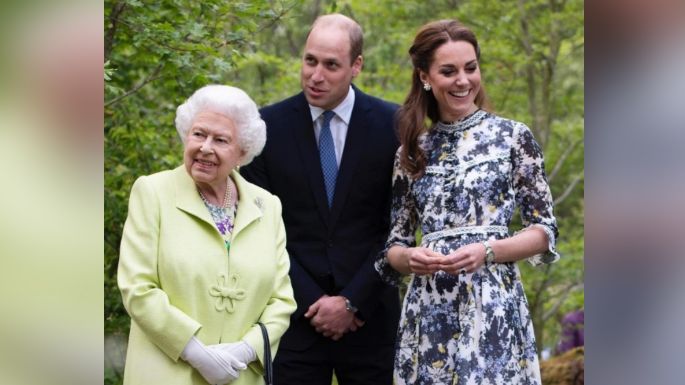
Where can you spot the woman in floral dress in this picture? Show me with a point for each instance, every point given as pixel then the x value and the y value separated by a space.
pixel 465 317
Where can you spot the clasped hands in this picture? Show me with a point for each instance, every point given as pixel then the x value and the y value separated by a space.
pixel 220 363
pixel 330 317
pixel 422 260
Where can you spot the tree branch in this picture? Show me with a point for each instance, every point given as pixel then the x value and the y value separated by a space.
pixel 278 17
pixel 111 31
pixel 569 188
pixel 294 48
pixel 509 87
pixel 153 76
pixel 562 159
pixel 137 29
pixel 543 285
pixel 261 28
pixel 567 291
pixel 531 79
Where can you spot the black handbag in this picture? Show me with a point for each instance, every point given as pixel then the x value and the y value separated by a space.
pixel 268 366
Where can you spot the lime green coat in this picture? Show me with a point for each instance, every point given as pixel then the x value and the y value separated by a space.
pixel 176 278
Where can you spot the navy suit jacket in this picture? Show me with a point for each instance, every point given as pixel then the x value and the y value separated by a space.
pixel 332 250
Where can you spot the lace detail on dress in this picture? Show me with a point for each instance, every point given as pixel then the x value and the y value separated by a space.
pixel 461 125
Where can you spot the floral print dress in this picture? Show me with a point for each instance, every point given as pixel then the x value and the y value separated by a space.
pixel 472 328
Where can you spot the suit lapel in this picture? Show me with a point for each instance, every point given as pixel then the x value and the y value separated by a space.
pixel 355 143
pixel 303 130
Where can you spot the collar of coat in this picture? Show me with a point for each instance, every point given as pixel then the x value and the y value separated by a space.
pixel 250 208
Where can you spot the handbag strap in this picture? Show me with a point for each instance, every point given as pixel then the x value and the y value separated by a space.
pixel 268 366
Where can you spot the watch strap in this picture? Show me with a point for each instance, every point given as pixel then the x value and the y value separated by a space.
pixel 489 253
pixel 349 307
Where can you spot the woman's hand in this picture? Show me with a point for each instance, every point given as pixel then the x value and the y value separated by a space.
pixel 423 260
pixel 215 366
pixel 236 351
pixel 417 260
pixel 467 259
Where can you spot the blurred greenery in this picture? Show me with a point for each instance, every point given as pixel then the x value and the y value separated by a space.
pixel 158 53
pixel 112 377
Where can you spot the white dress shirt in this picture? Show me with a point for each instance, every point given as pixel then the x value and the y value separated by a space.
pixel 339 123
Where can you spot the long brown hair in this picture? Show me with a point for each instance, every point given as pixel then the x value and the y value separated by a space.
pixel 420 104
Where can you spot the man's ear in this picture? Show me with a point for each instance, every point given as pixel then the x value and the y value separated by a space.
pixel 357 66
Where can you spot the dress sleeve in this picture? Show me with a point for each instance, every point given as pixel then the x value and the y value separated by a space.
pixel 533 195
pixel 403 221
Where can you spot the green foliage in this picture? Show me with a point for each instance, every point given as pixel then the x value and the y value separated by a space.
pixel 158 53
pixel 112 378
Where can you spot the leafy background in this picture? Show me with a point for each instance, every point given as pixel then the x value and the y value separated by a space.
pixel 158 53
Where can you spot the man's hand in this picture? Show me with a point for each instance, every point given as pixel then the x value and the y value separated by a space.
pixel 329 316
pixel 356 324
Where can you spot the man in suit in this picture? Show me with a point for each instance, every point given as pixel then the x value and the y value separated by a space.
pixel 329 157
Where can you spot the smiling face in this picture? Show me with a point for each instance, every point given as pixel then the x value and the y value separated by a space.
pixel 454 76
pixel 327 70
pixel 211 149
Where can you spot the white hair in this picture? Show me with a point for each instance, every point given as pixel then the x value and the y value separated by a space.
pixel 236 105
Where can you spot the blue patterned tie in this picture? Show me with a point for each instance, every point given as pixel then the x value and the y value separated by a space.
pixel 329 164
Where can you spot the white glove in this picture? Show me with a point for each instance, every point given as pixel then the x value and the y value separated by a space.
pixel 215 367
pixel 239 351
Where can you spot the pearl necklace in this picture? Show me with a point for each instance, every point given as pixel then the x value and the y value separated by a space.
pixel 227 197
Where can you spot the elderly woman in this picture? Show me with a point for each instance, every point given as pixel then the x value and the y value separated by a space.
pixel 203 256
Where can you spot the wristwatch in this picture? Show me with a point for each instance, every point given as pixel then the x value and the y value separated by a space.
pixel 349 307
pixel 489 253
